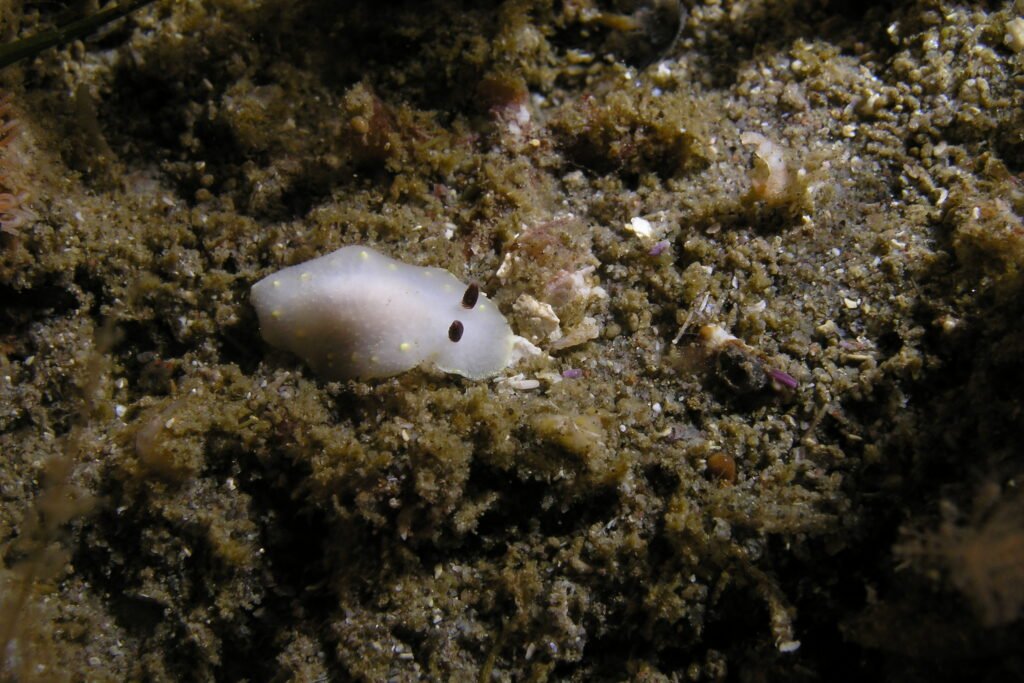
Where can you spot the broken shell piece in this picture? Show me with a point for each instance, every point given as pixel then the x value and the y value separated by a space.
pixel 1014 36
pixel 641 227
pixel 714 336
pixel 771 180
pixel 588 329
pixel 537 320
pixel 549 377
pixel 574 286
pixel 523 349
pixel 644 229
pixel 507 265
pixel 519 382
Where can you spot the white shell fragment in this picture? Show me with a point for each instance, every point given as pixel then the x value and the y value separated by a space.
pixel 641 227
pixel 355 313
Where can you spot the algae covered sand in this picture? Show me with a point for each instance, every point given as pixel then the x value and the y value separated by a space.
pixel 771 252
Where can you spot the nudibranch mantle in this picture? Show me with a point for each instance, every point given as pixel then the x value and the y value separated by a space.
pixel 357 314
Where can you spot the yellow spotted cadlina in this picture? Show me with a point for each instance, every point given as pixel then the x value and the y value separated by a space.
pixel 355 313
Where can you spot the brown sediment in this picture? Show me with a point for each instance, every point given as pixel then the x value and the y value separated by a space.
pixel 838 190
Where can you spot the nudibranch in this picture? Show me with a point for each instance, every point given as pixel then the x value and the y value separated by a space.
pixel 357 314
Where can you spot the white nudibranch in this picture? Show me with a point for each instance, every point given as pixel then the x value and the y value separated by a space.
pixel 355 313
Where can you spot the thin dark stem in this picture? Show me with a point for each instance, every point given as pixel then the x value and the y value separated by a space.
pixel 33 45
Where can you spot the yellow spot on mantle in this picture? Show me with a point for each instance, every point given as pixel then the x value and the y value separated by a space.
pixel 305 277
pixel 404 346
pixel 276 313
pixel 276 283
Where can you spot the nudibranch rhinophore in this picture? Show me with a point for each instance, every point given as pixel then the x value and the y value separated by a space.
pixel 357 314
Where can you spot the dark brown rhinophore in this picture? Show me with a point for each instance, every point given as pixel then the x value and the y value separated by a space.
pixel 470 297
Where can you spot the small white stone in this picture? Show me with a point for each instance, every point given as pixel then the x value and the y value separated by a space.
pixel 641 227
pixel 1014 38
pixel 524 384
pixel 789 646
pixel 520 382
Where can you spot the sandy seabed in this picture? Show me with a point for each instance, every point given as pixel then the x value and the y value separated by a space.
pixel 771 253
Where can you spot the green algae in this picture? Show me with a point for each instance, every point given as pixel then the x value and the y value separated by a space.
pixel 250 521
